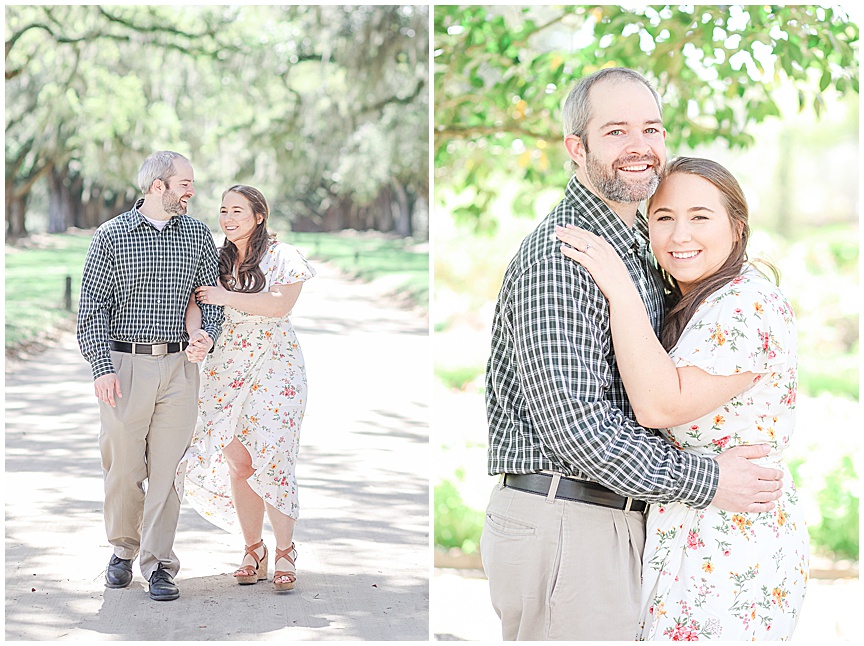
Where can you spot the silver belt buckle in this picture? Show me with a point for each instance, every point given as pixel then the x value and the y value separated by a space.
pixel 158 349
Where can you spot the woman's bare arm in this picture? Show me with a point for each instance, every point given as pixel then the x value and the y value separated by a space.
pixel 277 302
pixel 662 395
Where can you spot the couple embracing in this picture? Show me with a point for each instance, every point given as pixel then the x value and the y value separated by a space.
pixel 602 528
pixel 157 300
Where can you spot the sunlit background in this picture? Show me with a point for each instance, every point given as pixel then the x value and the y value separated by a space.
pixel 771 95
pixel 325 109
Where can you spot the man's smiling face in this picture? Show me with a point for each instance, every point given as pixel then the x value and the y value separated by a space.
pixel 625 143
pixel 178 188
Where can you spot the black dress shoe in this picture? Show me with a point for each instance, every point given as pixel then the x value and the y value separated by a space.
pixel 119 572
pixel 162 587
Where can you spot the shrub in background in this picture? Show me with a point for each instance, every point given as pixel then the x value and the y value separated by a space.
pixel 838 533
pixel 455 524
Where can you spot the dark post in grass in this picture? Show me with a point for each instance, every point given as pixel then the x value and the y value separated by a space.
pixel 68 293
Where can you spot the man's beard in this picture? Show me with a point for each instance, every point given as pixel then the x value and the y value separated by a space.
pixel 617 189
pixel 171 202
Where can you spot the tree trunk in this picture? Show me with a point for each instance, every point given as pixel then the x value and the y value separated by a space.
pixel 76 201
pixel 115 204
pixel 332 219
pixel 420 217
pixel 16 209
pixel 350 217
pixel 365 217
pixel 18 195
pixel 92 208
pixel 384 210
pixel 403 219
pixel 59 211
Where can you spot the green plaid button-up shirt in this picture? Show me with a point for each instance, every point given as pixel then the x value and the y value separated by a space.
pixel 554 396
pixel 137 281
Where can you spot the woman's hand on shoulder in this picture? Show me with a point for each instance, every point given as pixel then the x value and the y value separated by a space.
pixel 598 257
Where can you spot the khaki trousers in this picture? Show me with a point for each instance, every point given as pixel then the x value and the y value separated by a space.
pixel 562 570
pixel 144 438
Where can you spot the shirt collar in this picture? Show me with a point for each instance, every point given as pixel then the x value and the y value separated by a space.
pixel 136 218
pixel 598 218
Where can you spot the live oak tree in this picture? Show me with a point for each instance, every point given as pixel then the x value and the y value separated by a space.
pixel 501 74
pixel 294 99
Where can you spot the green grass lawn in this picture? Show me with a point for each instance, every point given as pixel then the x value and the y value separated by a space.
pixel 36 274
pixel 369 257
pixel 36 285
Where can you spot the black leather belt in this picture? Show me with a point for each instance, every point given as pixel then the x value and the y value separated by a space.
pixel 570 489
pixel 156 349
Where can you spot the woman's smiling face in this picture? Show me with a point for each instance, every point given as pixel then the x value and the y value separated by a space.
pixel 690 228
pixel 236 217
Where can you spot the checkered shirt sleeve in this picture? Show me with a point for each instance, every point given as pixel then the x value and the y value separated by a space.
pixel 137 281
pixel 555 399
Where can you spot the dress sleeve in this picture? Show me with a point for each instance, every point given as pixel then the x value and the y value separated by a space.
pixel 746 327
pixel 287 265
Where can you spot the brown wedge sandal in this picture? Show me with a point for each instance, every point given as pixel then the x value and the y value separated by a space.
pixel 249 574
pixel 285 579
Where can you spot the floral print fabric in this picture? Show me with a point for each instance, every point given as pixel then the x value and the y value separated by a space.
pixel 709 573
pixel 253 387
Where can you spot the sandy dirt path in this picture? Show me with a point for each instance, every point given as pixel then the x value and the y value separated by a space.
pixel 363 536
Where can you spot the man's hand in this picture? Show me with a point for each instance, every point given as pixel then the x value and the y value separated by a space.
pixel 199 345
pixel 745 486
pixel 105 387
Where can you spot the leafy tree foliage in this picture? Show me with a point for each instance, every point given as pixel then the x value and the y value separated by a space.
pixel 291 99
pixel 501 75
pixel 78 97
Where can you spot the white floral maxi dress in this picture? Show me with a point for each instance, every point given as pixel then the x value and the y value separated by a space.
pixel 253 387
pixel 712 574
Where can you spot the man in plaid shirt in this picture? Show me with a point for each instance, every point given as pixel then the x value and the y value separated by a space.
pixel 141 268
pixel 564 532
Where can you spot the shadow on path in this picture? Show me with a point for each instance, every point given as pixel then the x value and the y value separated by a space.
pixel 363 532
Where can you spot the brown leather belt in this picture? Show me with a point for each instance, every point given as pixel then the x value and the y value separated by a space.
pixel 591 493
pixel 156 349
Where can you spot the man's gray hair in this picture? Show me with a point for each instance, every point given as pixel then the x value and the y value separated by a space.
pixel 159 165
pixel 577 108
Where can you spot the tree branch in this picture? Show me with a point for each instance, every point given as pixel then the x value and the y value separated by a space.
pixel 474 132
pixel 14 38
pixel 154 29
pixel 375 107
pixel 209 34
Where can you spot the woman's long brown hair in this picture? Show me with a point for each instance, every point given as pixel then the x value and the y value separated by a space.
pixel 685 306
pixel 250 278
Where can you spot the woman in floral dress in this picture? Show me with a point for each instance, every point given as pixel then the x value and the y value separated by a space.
pixel 253 391
pixel 729 379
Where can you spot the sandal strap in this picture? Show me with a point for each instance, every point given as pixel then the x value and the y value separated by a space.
pixel 284 554
pixel 250 550
pixel 246 570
